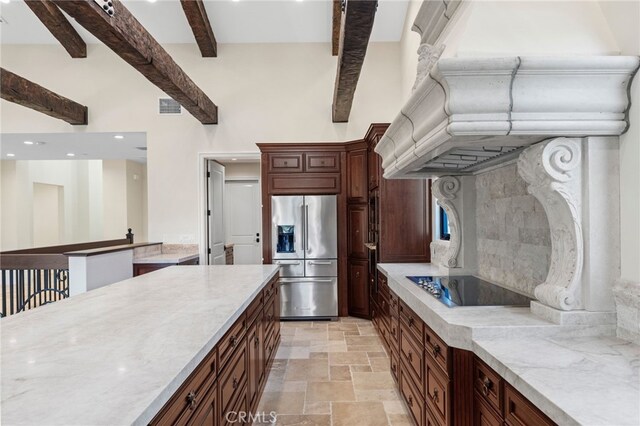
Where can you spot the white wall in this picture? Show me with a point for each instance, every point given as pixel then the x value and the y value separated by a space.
pixel 265 92
pixel 241 170
pixel 409 45
pixel 95 206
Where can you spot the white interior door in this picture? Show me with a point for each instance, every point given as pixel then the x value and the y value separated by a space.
pixel 215 206
pixel 243 219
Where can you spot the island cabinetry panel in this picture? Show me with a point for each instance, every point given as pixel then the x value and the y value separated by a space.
pixel 231 378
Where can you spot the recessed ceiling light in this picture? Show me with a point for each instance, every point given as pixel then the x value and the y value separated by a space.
pixel 11 155
pixel 70 154
pixel 5 1
pixel 28 142
pixel 119 137
pixel 151 1
pixel 234 159
pixel 235 1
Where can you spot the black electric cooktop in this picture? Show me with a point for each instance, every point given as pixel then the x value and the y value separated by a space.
pixel 467 290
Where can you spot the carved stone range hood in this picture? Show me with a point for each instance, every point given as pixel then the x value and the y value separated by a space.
pixel 471 113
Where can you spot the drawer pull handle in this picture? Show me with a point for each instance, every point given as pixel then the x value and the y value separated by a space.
pixel 436 350
pixel 410 321
pixel 486 386
pixel 435 397
pixel 410 401
pixel 234 341
pixel 256 341
pixel 394 366
pixel 191 399
pixel 410 356
pixel 234 384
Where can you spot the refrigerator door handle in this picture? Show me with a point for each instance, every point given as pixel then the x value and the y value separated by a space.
pixel 286 262
pixel 320 262
pixel 306 226
pixel 305 280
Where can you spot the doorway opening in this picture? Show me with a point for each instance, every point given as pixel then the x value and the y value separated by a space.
pixel 233 210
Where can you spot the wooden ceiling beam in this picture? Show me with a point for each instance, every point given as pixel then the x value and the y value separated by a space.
pixel 201 27
pixel 58 25
pixel 337 22
pixel 354 38
pixel 123 34
pixel 21 91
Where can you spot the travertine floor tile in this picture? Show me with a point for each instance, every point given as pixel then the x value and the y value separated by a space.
pixel 348 358
pixel 332 374
pixel 282 402
pixel 307 369
pixel 358 413
pixel 340 372
pixel 304 420
pixel 372 381
pixel 330 391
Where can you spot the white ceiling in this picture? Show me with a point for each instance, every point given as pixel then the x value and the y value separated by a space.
pixel 84 146
pixel 243 21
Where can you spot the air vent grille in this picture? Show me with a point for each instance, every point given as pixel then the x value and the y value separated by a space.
pixel 169 106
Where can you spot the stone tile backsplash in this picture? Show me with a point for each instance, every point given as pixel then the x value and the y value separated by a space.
pixel 513 239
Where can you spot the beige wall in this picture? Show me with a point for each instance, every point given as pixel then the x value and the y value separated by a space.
pixel 265 92
pixel 241 170
pixel 408 50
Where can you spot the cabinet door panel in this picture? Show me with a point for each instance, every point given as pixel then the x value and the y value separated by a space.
pixel 322 162
pixel 358 288
pixel 207 414
pixel 357 215
pixel 357 176
pixel 285 163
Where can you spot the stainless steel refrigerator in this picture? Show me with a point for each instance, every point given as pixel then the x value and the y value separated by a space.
pixel 304 238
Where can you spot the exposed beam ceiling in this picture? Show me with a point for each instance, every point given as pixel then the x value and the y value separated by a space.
pixel 335 31
pixel 132 42
pixel 59 26
pixel 201 27
pixel 31 95
pixel 354 38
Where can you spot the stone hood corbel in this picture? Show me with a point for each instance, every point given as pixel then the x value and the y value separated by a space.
pixel 471 113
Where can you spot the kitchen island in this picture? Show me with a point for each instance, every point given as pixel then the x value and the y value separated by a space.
pixel 503 361
pixel 117 355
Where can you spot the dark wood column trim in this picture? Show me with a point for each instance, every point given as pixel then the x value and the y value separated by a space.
pixel 58 25
pixel 123 34
pixel 355 33
pixel 23 92
pixel 201 27
pixel 335 31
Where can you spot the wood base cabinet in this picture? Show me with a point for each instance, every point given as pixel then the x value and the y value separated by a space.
pixel 441 385
pixel 227 385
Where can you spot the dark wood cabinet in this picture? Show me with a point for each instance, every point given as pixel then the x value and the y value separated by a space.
pixel 290 162
pixel 322 162
pixel 357 176
pixel 233 375
pixel 441 385
pixel 358 288
pixel 145 268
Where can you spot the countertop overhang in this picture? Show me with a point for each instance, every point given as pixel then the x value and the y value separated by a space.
pixel 471 113
pixel 575 374
pixel 117 354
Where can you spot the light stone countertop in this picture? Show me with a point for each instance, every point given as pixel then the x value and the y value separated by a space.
pixel 115 355
pixel 169 258
pixel 574 374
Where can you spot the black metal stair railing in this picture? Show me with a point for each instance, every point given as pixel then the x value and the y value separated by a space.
pixel 24 289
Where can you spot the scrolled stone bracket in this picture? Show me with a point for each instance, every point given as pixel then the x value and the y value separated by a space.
pixel 553 171
pixel 446 190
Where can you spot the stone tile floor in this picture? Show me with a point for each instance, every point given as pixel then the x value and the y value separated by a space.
pixel 332 373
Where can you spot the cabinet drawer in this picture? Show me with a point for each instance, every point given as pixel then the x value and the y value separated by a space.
pixel 208 413
pixel 483 415
pixel 437 349
pixel 322 162
pixel 394 332
pixel 254 309
pixel 232 340
pixel 394 304
pixel 394 363
pixel 270 346
pixel 270 289
pixel 412 397
pixel 411 354
pixel 270 314
pixel 239 405
pixel 488 384
pixel 412 322
pixel 437 394
pixel 519 411
pixel 283 163
pixel 186 400
pixel 233 378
